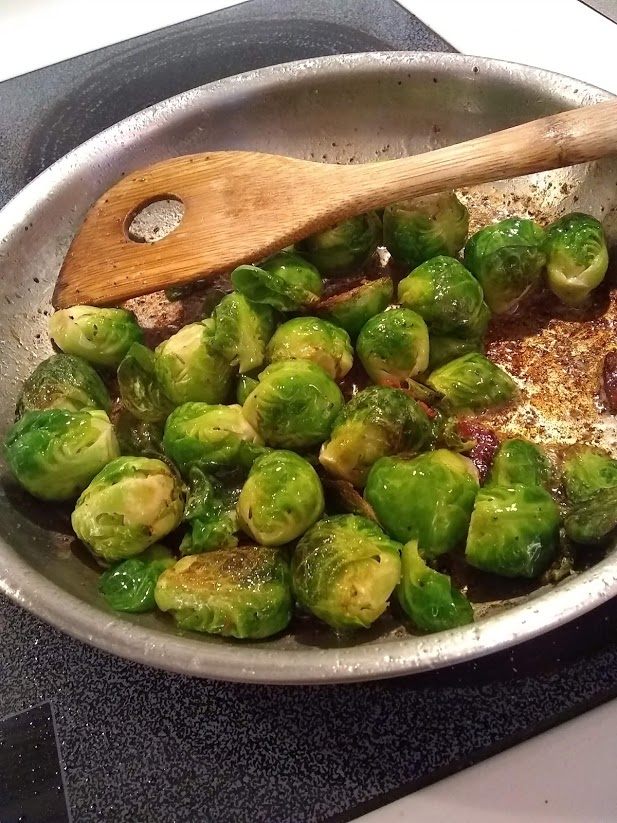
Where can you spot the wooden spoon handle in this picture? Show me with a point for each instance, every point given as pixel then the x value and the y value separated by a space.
pixel 552 142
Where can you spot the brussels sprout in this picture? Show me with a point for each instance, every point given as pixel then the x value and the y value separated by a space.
pixel 507 259
pixel 347 246
pixel 416 230
pixel 63 382
pixel 54 453
pixel 196 433
pixel 210 511
pixel 100 336
pixel 285 281
pixel 472 382
pixel 352 309
pixel 129 585
pixel 242 592
pixel 310 338
pixel 138 438
pixel 393 347
pixel 378 421
pixel 447 296
pixel 131 504
pixel 428 498
pixel 242 330
pixel 189 367
pixel 593 519
pixel 344 570
pixel 139 387
pixel 576 257
pixel 281 499
pixel 443 349
pixel 294 405
pixel 587 470
pixel 513 531
pixel 428 597
pixel 519 462
pixel 244 387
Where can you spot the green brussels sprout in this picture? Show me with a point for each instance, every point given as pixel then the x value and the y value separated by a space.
pixel 196 433
pixel 378 421
pixel 576 257
pixel 347 246
pixel 242 592
pixel 344 570
pixel 131 504
pixel 428 498
pixel 281 498
pixel 447 296
pixel 189 367
pixel 416 230
pixel 507 259
pixel 129 585
pixel 587 470
pixel 138 438
pixel 63 382
pixel 244 387
pixel 513 531
pixel 242 330
pixel 519 462
pixel 352 309
pixel 285 281
pixel 310 338
pixel 393 347
pixel 139 386
pixel 428 597
pixel 294 405
pixel 443 349
pixel 210 511
pixel 592 520
pixel 55 453
pixel 100 336
pixel 472 382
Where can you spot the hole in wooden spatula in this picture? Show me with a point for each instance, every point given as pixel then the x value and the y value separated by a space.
pixel 155 219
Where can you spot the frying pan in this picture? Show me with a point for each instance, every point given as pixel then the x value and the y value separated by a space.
pixel 351 108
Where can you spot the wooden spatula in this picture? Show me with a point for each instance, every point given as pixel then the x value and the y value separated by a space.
pixel 241 206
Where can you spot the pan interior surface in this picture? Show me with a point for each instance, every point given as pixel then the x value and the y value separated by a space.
pixel 349 109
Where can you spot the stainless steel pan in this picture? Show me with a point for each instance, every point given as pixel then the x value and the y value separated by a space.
pixel 353 108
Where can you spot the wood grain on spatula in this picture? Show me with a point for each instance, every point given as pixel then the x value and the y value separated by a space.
pixel 241 206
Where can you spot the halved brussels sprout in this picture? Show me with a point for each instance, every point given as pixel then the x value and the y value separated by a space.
pixel 393 347
pixel 513 531
pixel 428 597
pixel 507 258
pixel 210 511
pixel 140 389
pixel 244 387
pixel 310 338
pixel 447 296
pixel 416 230
pixel 242 330
pixel 347 246
pixel 189 367
pixel 520 462
pixel 55 453
pixel 587 470
pixel 281 499
pixel 63 382
pixel 100 336
pixel 138 438
pixel 428 498
pixel 444 349
pixel 352 309
pixel 129 585
pixel 242 592
pixel 344 570
pixel 472 382
pixel 576 257
pixel 285 281
pixel 294 405
pixel 131 504
pixel 210 436
pixel 378 421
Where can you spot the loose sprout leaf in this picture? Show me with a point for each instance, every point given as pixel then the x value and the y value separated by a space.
pixel 138 438
pixel 346 247
pixel 352 309
pixel 242 330
pixel 100 336
pixel 576 257
pixel 284 281
pixel 394 346
pixel 140 390
pixel 129 585
pixel 314 339
pixel 210 511
pixel 472 383
pixel 519 461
